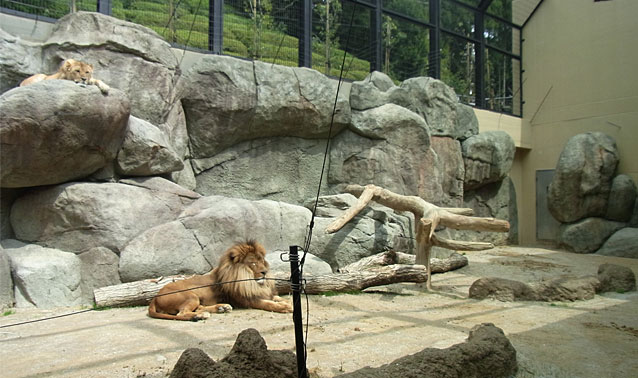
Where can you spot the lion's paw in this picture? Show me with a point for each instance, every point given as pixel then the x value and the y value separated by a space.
pixel 224 308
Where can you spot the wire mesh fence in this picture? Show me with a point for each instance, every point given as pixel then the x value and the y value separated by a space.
pixel 394 39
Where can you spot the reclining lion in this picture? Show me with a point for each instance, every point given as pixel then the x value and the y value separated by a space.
pixel 239 280
pixel 73 70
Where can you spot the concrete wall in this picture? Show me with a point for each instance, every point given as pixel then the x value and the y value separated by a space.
pixel 580 75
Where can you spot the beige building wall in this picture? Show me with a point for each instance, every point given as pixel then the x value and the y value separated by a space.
pixel 581 74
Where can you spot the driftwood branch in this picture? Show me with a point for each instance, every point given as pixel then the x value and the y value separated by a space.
pixel 136 293
pixel 427 218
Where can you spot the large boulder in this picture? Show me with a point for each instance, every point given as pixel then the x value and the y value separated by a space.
pixel 256 100
pixel 205 230
pixel 125 55
pixel 44 277
pixel 587 235
pixel 385 146
pixel 432 99
pixel 375 229
pixel 146 151
pixel 6 282
pixel 623 243
pixel 488 158
pixel 582 181
pixel 79 216
pixel 281 169
pixel 56 131
pixel 622 198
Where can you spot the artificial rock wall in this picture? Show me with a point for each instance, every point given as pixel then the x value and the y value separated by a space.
pixel 163 173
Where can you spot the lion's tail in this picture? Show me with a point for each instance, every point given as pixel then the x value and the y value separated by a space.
pixel 152 312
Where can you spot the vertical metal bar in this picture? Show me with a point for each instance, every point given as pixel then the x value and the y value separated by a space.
pixel 216 26
pixel 305 33
pixel 295 285
pixel 479 59
pixel 521 71
pixel 376 39
pixel 104 7
pixel 434 59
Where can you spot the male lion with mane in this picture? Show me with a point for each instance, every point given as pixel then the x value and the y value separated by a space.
pixel 239 280
pixel 70 69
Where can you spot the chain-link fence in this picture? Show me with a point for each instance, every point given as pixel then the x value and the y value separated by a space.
pixel 476 51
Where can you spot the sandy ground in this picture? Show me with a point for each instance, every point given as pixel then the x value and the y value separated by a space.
pixel 594 338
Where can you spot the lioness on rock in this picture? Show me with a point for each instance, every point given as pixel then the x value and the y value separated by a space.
pixel 239 280
pixel 70 69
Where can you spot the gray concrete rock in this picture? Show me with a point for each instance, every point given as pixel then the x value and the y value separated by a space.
pixel 256 100
pixel 587 235
pixel 442 182
pixel 281 169
pixel 496 200
pixel 633 221
pixel 616 278
pixel 205 230
pixel 7 197
pixel 44 277
pixel 385 146
pixel 434 101
pixel 146 151
pixel 488 158
pixel 622 198
pixel 81 128
pixel 126 56
pixel 375 229
pixel 7 298
pixel 623 243
pixel 582 181
pixel 79 216
pixel 18 60
pixel 99 268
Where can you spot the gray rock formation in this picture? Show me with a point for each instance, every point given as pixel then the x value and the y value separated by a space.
pixel 79 216
pixel 99 268
pixel 375 229
pixel 616 278
pixel 313 265
pixel 81 128
pixel 622 198
pixel 623 243
pixel 256 100
pixel 582 181
pixel 194 242
pixel 444 172
pixel 280 169
pixel 488 158
pixel 434 101
pixel 44 285
pixel 385 146
pixel 587 235
pixel 501 289
pixel 146 151
pixel 496 200
pixel 6 282
pixel 18 59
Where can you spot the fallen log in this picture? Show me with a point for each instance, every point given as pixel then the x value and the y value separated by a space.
pixel 377 270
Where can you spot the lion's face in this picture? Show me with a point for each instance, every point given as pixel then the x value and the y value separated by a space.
pixel 252 257
pixel 76 71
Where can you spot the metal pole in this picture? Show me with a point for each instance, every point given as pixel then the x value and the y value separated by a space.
pixel 295 285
